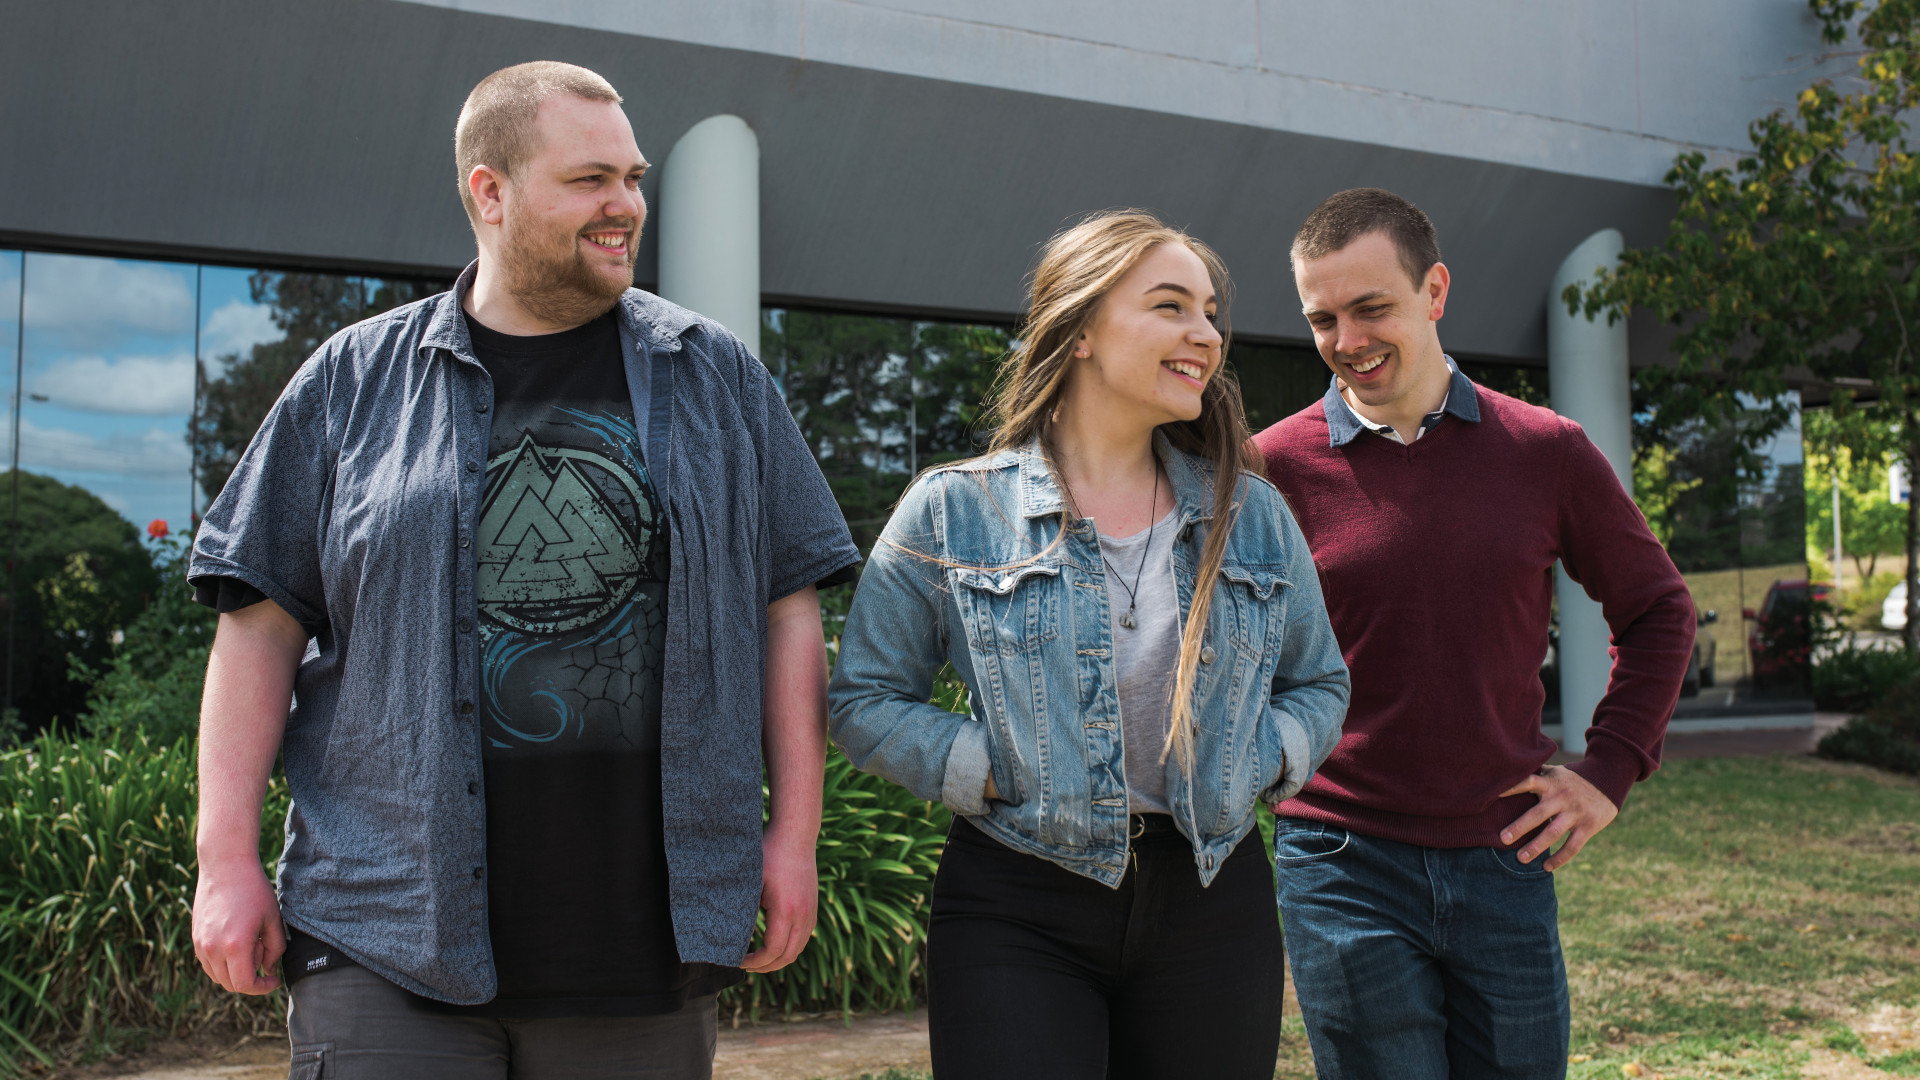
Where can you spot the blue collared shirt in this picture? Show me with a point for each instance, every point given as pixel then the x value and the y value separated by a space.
pixel 1343 423
pixel 355 509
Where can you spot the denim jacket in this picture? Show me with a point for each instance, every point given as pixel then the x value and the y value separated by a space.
pixel 955 579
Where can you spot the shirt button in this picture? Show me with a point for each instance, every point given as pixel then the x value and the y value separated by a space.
pixel 481 407
pixel 473 466
pixel 477 871
pixel 473 787
pixel 466 707
pixel 463 541
pixel 466 626
pixel 1206 654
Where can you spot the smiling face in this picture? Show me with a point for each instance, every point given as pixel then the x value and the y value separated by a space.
pixel 564 227
pixel 1375 327
pixel 1151 347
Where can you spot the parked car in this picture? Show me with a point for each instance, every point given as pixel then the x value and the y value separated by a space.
pixel 1781 640
pixel 1706 652
pixel 1893 613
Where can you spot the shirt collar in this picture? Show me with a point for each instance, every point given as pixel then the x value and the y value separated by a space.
pixel 642 315
pixel 1343 424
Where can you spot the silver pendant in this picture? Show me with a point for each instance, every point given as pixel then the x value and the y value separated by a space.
pixel 1127 620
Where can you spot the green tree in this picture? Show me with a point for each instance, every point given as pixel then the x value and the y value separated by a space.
pixel 82 575
pixel 1798 260
pixel 308 309
pixel 1870 524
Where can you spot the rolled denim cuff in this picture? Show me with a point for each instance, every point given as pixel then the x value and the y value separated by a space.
pixel 965 788
pixel 1296 767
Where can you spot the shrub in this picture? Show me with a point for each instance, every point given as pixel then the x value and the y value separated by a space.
pixel 879 847
pixel 1888 735
pixel 154 679
pixel 1854 679
pixel 96 878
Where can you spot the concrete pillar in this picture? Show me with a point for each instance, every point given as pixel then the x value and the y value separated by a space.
pixel 710 225
pixel 1587 374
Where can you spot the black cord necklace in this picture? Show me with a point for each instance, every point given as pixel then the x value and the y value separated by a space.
pixel 1153 509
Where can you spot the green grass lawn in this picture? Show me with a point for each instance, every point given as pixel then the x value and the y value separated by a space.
pixel 1744 916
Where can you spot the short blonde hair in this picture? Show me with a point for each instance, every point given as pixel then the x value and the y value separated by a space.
pixel 497 126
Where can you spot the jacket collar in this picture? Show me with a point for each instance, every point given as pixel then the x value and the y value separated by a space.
pixel 1343 424
pixel 643 316
pixel 1192 480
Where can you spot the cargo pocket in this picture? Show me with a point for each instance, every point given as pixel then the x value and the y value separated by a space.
pixel 310 1062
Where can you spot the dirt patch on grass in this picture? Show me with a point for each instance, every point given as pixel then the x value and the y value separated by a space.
pixel 226 1054
pixel 1893 838
pixel 1889 1029
pixel 1834 1065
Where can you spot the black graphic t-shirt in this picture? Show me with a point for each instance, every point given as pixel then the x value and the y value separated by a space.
pixel 572 594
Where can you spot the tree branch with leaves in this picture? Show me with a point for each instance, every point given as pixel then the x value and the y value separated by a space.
pixel 1797 262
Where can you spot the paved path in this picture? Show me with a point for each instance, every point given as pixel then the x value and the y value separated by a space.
pixel 1755 743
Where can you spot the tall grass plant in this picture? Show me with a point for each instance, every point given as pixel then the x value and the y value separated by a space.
pixel 96 878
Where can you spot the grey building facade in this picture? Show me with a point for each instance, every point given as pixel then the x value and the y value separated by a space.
pixel 911 157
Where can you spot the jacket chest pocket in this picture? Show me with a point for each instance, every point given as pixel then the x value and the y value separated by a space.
pixel 1253 602
pixel 1008 612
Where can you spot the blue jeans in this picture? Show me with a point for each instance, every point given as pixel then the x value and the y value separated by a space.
pixel 1417 963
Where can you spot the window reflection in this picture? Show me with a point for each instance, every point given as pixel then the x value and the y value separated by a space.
pixel 878 399
pixel 107 381
pixel 139 384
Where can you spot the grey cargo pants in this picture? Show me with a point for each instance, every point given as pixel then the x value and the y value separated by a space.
pixel 351 1024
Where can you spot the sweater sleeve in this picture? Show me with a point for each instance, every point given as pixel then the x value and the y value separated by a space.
pixel 1606 547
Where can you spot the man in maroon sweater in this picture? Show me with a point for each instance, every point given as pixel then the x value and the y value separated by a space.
pixel 1415 869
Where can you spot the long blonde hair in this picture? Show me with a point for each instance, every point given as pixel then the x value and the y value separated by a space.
pixel 1077 269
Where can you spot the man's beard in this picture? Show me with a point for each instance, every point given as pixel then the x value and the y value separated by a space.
pixel 547 273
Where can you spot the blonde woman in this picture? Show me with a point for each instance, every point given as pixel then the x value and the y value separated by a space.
pixel 1140 628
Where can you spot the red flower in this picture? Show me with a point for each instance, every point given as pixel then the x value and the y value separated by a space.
pixel 157 528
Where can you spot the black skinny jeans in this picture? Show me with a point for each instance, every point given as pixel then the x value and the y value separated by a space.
pixel 1035 971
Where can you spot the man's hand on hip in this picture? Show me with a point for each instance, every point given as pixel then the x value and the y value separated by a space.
pixel 237 933
pixel 1568 806
pixel 790 896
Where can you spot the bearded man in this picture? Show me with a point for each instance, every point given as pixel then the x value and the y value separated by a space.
pixel 536 560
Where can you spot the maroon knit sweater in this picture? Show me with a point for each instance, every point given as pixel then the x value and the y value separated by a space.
pixel 1437 564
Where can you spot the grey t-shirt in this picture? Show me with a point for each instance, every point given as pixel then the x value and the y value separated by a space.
pixel 1144 657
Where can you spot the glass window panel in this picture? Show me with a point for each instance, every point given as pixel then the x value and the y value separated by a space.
pixel 849 385
pixel 107 381
pixel 1276 381
pixel 954 368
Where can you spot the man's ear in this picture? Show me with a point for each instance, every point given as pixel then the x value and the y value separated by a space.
pixel 1435 290
pixel 489 194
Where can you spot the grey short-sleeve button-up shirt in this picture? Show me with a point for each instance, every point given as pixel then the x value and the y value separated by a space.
pixel 354 509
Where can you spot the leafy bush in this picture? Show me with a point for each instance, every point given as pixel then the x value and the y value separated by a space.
pixel 879 848
pixel 96 878
pixel 1888 735
pixel 1851 678
pixel 153 681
